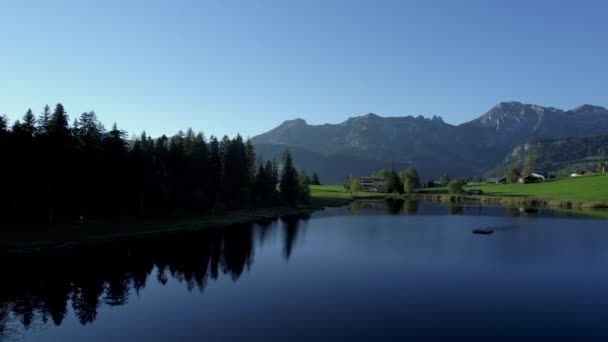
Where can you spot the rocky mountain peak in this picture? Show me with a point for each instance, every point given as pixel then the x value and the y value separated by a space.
pixel 587 108
pixel 297 122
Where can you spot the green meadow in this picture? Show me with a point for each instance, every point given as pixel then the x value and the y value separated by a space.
pixel 334 195
pixel 591 189
pixel 583 191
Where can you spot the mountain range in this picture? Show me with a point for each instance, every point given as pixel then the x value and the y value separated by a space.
pixel 363 144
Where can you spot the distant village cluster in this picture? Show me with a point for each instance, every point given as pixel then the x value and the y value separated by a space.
pixel 379 181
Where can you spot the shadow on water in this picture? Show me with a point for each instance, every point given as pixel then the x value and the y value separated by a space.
pixel 40 288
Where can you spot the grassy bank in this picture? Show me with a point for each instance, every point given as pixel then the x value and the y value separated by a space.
pixel 585 192
pixel 591 189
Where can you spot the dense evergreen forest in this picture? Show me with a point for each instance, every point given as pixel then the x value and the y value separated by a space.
pixel 53 171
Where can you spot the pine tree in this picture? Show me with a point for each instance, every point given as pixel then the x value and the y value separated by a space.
pixel 115 184
pixel 214 177
pixel 289 180
pixel 197 174
pixel 58 124
pixel 116 139
pixel 44 119
pixel 265 185
pixel 59 181
pixel 3 124
pixel 29 123
pixel 5 172
pixel 142 172
pixel 250 161
pixel 315 179
pixel 271 181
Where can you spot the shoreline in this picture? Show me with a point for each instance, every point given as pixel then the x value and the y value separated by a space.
pixel 509 200
pixel 109 231
pixel 98 232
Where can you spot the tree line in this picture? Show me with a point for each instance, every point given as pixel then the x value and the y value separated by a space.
pixel 53 171
pixel 406 181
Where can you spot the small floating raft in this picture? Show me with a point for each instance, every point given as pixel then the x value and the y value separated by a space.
pixel 483 231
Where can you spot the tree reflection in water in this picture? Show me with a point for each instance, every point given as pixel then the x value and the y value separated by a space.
pixel 399 206
pixel 454 208
pixel 393 206
pixel 291 227
pixel 40 287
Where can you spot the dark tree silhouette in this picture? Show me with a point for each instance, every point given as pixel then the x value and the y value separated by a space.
pixel 60 172
pixel 315 179
pixel 290 182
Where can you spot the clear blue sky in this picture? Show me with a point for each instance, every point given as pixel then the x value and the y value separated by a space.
pixel 226 66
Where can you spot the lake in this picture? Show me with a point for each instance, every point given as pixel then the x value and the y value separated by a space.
pixel 373 270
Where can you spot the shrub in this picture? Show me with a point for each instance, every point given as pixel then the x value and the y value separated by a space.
pixel 455 186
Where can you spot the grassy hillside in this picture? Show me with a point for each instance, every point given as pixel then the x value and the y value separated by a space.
pixel 558 156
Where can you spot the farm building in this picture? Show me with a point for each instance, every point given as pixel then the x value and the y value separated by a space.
pixel 531 178
pixel 374 183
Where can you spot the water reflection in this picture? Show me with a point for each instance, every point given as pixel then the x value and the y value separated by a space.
pixel 389 206
pixel 290 232
pixel 41 288
pixel 418 207
pixel 410 206
pixel 454 208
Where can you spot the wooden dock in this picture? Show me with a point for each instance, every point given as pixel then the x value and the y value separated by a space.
pixel 483 231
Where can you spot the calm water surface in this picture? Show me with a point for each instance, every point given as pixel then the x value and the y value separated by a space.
pixel 370 271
